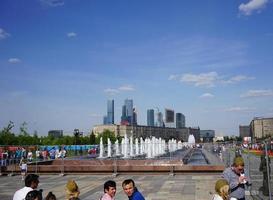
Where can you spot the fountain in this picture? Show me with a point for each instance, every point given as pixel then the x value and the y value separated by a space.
pixel 101 148
pixel 109 149
pixel 191 140
pixel 117 148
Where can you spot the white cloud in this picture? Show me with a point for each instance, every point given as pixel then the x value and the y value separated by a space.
pixel 207 95
pixel 3 34
pixel 71 34
pixel 258 93
pixel 126 88
pixel 251 6
pixel 203 79
pixel 239 109
pixel 52 3
pixel 14 60
pixel 210 79
pixel 238 78
pixel 111 91
pixel 173 77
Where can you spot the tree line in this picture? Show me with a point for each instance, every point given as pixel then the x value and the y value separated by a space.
pixel 8 137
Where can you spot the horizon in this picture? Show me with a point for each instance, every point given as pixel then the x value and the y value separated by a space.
pixel 62 60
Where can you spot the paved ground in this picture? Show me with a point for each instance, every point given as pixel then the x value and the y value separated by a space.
pixel 153 187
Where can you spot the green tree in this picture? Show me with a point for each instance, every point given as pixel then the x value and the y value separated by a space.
pixel 107 134
pixel 6 136
pixel 92 138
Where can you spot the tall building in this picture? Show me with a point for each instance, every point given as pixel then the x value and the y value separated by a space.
pixel 134 116
pixel 105 120
pixel 127 112
pixel 183 121
pixel 110 112
pixel 150 117
pixel 178 120
pixel 159 119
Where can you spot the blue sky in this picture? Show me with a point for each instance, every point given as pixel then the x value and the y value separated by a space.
pixel 60 60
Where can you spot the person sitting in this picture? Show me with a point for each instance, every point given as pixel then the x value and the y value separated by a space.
pixel 131 191
pixel 109 190
pixel 72 189
pixel 221 189
pixel 31 183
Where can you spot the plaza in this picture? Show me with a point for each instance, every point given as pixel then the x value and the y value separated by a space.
pixel 153 186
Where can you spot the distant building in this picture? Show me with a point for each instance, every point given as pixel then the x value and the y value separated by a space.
pixel 105 120
pixel 261 127
pixel 134 117
pixel 159 119
pixel 110 111
pixel 244 131
pixel 180 120
pixel 150 117
pixel 55 133
pixel 207 135
pixel 148 131
pixel 127 112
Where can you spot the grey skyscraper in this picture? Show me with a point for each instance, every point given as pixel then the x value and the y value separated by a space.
pixel 180 120
pixel 110 112
pixel 150 117
pixel 160 122
pixel 127 112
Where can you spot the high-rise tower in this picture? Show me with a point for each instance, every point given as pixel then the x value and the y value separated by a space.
pixel 127 112
pixel 110 112
pixel 150 117
pixel 180 120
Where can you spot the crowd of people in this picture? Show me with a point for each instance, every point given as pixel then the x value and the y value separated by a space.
pixel 72 191
pixel 230 187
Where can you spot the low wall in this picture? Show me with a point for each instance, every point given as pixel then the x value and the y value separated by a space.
pixel 115 166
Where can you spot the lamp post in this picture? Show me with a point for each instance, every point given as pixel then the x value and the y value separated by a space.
pixel 76 136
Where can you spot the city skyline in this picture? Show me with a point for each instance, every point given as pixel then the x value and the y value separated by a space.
pixel 60 61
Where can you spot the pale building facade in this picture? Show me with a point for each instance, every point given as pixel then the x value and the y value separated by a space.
pixel 148 131
pixel 261 127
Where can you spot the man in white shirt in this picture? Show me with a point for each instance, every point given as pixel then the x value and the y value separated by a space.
pixel 31 183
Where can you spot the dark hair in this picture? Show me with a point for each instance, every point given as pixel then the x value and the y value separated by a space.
pixel 128 181
pixel 108 184
pixel 50 196
pixel 32 195
pixel 31 178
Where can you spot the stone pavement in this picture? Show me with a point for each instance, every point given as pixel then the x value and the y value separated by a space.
pixel 153 186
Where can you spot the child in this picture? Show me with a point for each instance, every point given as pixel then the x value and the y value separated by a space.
pixel 221 189
pixel 23 167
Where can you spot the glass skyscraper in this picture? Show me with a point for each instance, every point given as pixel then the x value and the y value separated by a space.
pixel 127 112
pixel 180 120
pixel 150 117
pixel 110 112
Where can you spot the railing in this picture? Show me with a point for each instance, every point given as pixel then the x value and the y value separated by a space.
pixel 86 158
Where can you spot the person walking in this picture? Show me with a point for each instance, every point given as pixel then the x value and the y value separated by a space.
pixel 131 191
pixel 23 167
pixel 236 178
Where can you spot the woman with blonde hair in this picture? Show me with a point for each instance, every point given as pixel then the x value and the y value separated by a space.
pixel 72 190
pixel 221 189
